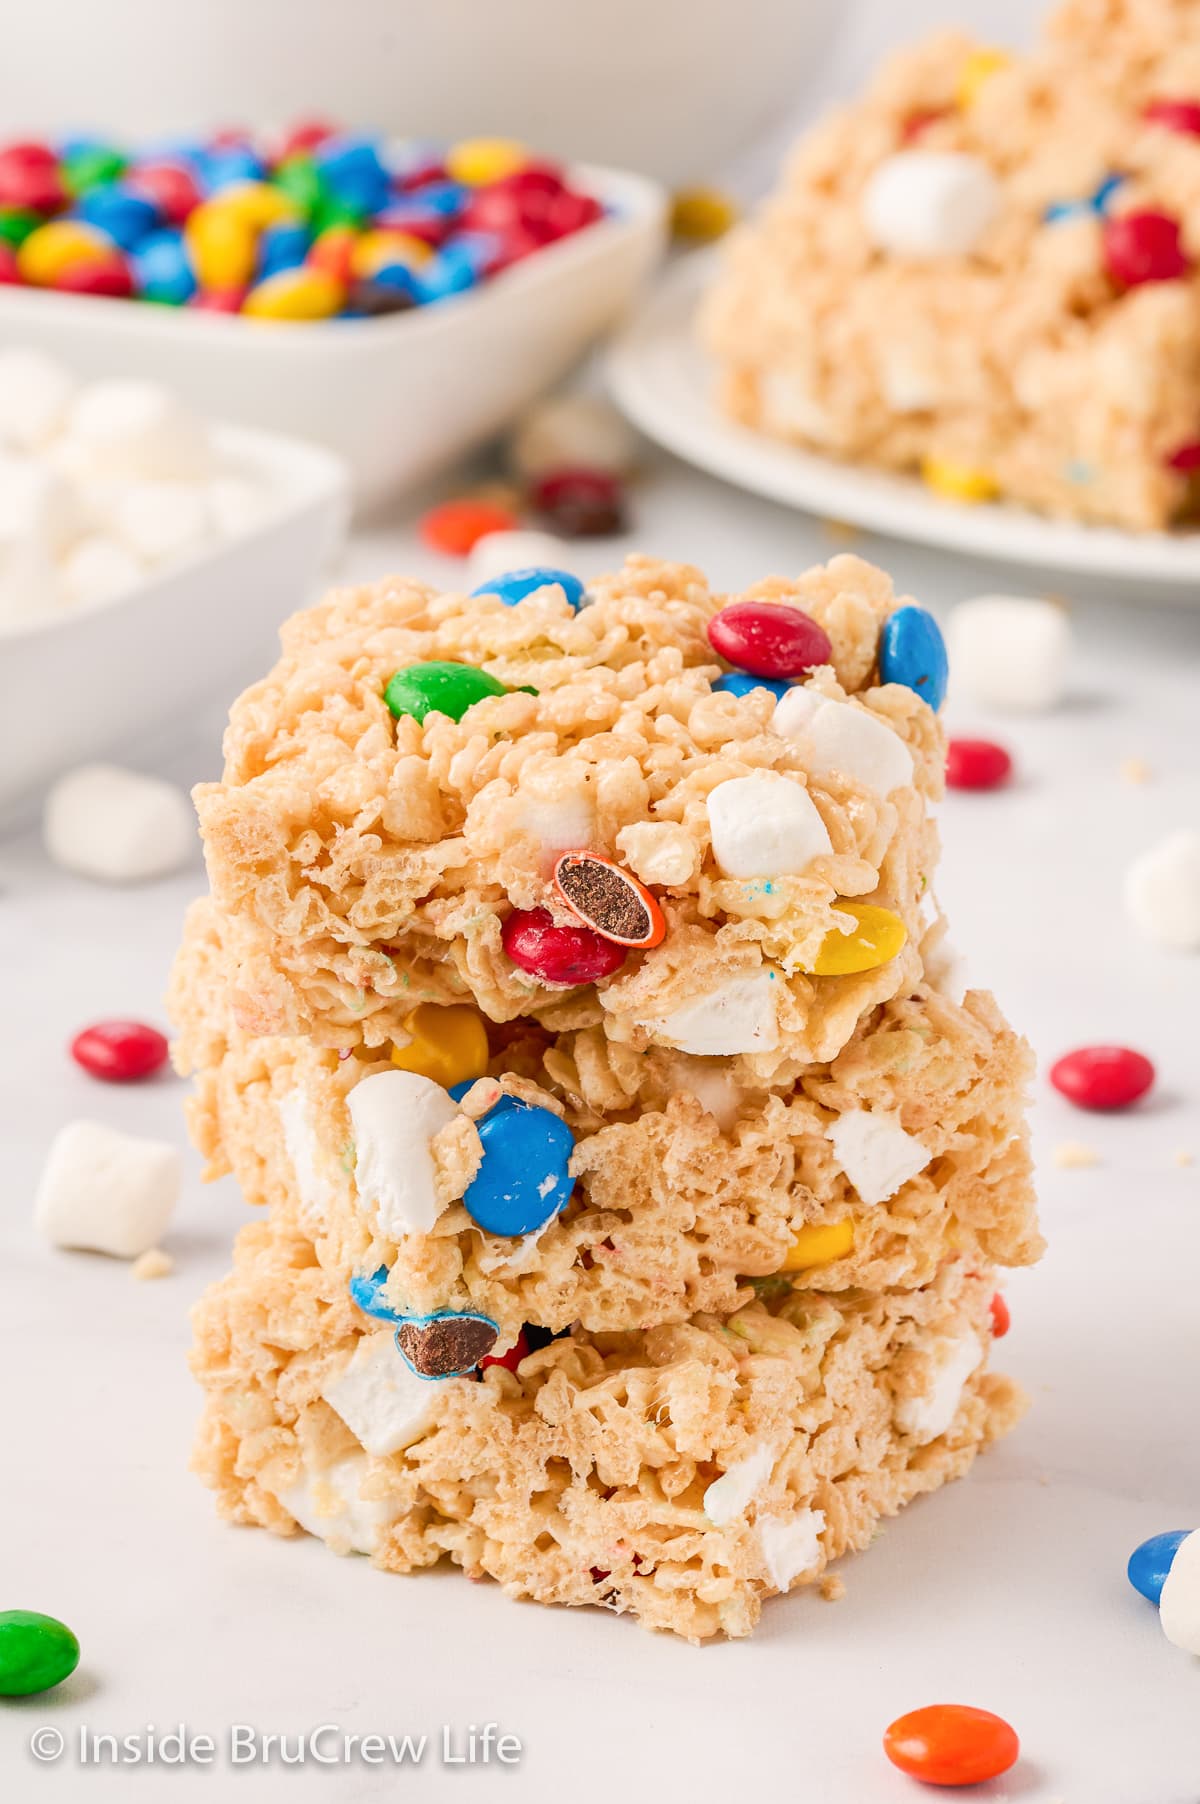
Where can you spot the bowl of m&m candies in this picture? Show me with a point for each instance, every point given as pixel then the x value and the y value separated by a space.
pixel 398 302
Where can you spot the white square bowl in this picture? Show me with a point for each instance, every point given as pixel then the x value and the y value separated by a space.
pixel 93 676
pixel 397 398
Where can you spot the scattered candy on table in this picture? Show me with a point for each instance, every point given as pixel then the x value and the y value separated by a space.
pixel 580 503
pixel 976 764
pixel 1009 651
pixel 523 1181
pixel 1162 892
pixel 535 943
pixel 106 1192
pixel 702 214
pixel 456 527
pixel 951 1744
pixel 118 826
pixel 1102 1077
pixel 303 229
pixel 36 1653
pixel 913 652
pixel 1150 1562
pixel 609 900
pixel 769 639
pixel 518 585
pixel 120 1052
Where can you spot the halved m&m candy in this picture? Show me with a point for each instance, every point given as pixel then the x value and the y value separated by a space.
pixel 447 1344
pixel 769 639
pixel 607 899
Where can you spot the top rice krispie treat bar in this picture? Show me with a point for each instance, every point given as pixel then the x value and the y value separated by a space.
pixel 988 270
pixel 371 852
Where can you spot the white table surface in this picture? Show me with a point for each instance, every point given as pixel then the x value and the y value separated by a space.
pixel 1006 1591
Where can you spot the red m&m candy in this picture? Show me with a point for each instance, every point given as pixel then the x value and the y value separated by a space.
pixel 120 1051
pixel 510 1360
pixel 1102 1077
pixel 1001 1319
pixel 108 276
pixel 951 1744
pixel 1143 247
pixel 769 639
pixel 976 764
pixel 566 955
pixel 1175 115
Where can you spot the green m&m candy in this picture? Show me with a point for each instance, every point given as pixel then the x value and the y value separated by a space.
pixel 36 1652
pixel 93 167
pixel 421 689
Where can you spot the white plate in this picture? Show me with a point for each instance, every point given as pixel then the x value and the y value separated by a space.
pixel 398 398
pixel 90 677
pixel 665 383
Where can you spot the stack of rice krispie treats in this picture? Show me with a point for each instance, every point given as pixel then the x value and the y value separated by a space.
pixel 988 270
pixel 634 1178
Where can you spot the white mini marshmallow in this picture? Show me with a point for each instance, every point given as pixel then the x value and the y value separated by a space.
pixel 876 1153
pixel 36 503
pixel 765 826
pixel 789 406
pixel 29 579
pixel 908 380
pixel 947 970
pixel 395 1116
pixel 235 505
pixel 728 1497
pixel 571 431
pixel 98 568
pixel 790 1545
pixel 1162 892
pixel 929 203
pixel 106 1192
pixel 35 394
pixel 328 1504
pixel 1009 651
pixel 1179 1603
pixel 954 1358
pixel 161 521
pixel 303 1149
pixel 117 825
pixel 712 1083
pixel 140 430
pixel 379 1397
pixel 559 823
pixel 658 851
pixel 499 552
pixel 844 738
pixel 738 1016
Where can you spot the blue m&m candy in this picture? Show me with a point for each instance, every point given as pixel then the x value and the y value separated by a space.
pixel 128 218
pixel 913 652
pixel 736 682
pixel 282 246
pixel 367 1292
pixel 1150 1563
pixel 164 270
pixel 515 585
pixel 523 1181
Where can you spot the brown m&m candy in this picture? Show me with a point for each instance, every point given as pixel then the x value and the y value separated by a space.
pixel 446 1345
pixel 608 900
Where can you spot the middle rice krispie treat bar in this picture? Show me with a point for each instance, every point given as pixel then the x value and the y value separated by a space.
pixel 988 270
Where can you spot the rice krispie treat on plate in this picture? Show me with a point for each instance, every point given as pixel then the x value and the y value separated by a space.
pixel 681 1475
pixel 988 271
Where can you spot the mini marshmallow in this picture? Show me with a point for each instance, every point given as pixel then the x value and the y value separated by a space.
pixel 738 1016
pixel 658 851
pixel 303 1149
pixel 98 568
pixel 117 825
pixel 107 1192
pixel 328 1504
pixel 908 380
pixel 1162 892
pixel 396 1114
pixel 953 1360
pixel 35 395
pixel 712 1084
pixel 379 1397
pixel 789 406
pixel 929 203
pixel 559 823
pixel 876 1153
pixel 844 738
pixel 1009 651
pixel 161 521
pixel 1179 1602
pixel 790 1545
pixel 765 826
pixel 234 505
pixel 37 503
pixel 29 580
pixel 138 429
pixel 728 1497
pixel 499 552
pixel 947 970
pixel 570 432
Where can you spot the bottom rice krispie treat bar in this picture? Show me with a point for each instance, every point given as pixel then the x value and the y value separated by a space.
pixel 680 1474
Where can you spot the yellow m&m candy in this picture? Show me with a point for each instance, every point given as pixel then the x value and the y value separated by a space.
pixel 877 937
pixel 374 250
pixel 820 1244
pixel 448 1044
pixel 958 482
pixel 223 246
pixel 296 294
pixel 702 214
pixel 259 204
pixel 977 69
pixel 53 248
pixel 480 160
